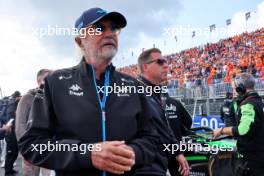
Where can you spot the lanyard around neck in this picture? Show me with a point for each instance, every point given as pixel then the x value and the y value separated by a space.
pixel 102 101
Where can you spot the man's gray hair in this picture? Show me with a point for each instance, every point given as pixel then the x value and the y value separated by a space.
pixel 145 57
pixel 246 79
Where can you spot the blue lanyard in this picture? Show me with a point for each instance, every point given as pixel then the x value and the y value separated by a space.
pixel 103 102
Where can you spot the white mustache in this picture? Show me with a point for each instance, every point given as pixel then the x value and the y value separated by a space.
pixel 109 41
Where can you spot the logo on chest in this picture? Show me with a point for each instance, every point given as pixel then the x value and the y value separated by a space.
pixel 75 90
pixel 171 111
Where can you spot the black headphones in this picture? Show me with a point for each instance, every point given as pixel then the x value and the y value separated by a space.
pixel 241 89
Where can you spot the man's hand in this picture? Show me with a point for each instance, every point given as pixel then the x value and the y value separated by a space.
pixel 7 128
pixel 184 166
pixel 223 131
pixel 115 157
pixel 217 132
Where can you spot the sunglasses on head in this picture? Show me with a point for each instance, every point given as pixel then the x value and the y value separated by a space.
pixel 158 61
pixel 113 27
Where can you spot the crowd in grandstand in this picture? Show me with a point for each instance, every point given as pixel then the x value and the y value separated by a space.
pixel 216 62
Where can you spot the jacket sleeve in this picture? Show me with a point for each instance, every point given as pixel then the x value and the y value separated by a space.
pixel 11 112
pixel 185 116
pixel 3 115
pixel 174 141
pixel 246 121
pixel 22 114
pixel 2 133
pixel 40 135
pixel 146 141
pixel 186 122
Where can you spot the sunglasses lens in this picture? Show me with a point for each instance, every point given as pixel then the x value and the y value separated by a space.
pixel 100 27
pixel 161 61
pixel 115 28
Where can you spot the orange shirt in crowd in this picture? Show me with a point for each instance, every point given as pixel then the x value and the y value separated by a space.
pixel 209 80
pixel 227 79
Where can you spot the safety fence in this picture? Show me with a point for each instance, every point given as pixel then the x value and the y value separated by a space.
pixel 213 91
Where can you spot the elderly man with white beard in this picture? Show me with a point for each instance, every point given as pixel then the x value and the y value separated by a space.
pixel 76 111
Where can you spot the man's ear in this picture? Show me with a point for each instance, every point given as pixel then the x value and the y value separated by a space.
pixel 78 41
pixel 145 67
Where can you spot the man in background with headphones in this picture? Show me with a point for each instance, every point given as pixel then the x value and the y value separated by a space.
pixel 249 131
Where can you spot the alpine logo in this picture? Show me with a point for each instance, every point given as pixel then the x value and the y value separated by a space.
pixel 75 90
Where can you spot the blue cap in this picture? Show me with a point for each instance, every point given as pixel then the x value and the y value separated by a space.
pixel 93 15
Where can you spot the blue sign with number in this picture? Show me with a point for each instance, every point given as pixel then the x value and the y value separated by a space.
pixel 212 122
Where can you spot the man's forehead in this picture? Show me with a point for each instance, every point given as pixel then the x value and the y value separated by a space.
pixel 155 55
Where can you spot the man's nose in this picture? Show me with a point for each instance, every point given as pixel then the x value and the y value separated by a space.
pixel 166 66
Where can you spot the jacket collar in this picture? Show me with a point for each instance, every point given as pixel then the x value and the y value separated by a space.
pixel 148 83
pixel 145 81
pixel 248 94
pixel 86 69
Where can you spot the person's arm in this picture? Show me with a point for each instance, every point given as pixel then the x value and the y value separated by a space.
pixel 183 165
pixel 223 131
pixel 6 129
pixel 144 144
pixel 40 131
pixel 179 155
pixel 247 118
pixel 11 112
pixel 22 114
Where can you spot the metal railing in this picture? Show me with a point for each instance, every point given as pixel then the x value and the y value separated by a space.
pixel 213 91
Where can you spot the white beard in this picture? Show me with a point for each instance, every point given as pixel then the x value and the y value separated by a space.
pixel 105 56
pixel 108 54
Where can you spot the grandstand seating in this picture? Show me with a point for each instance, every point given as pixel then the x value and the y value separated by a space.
pixel 206 71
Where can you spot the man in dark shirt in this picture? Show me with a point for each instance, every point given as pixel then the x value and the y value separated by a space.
pixel 153 69
pixel 11 140
pixel 227 113
pixel 249 129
